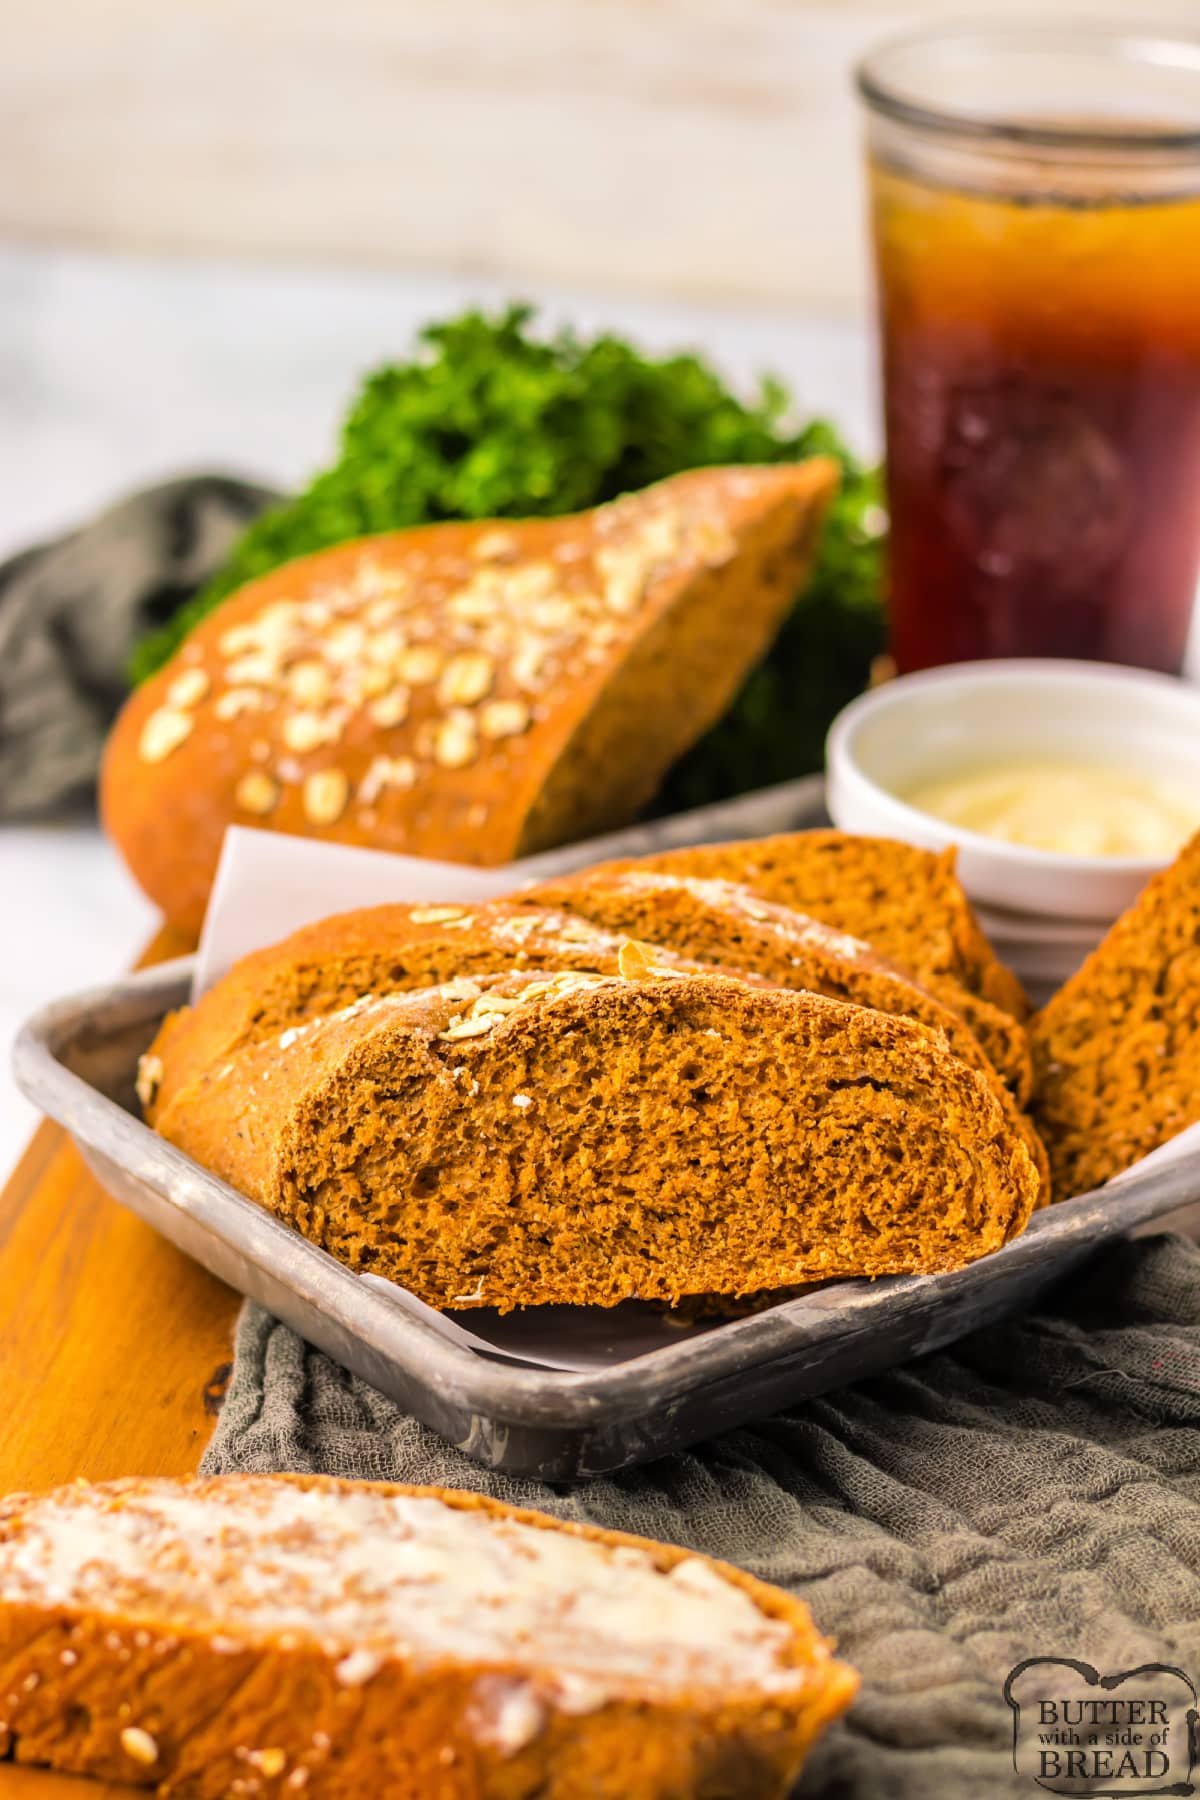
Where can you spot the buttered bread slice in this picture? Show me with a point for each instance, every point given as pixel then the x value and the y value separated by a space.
pixel 523 1139
pixel 286 1636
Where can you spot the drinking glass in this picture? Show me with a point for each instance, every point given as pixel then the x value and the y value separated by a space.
pixel 1035 198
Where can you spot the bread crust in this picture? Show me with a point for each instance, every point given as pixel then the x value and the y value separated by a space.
pixel 203 1711
pixel 374 950
pixel 532 1139
pixel 576 922
pixel 474 692
pixel 722 921
pixel 1117 1049
pixel 907 903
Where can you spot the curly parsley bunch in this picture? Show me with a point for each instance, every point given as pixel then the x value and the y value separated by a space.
pixel 489 420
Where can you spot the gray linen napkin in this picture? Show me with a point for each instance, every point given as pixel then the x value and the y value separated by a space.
pixel 1033 1492
pixel 71 612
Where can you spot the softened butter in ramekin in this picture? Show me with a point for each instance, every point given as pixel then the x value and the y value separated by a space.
pixel 1067 806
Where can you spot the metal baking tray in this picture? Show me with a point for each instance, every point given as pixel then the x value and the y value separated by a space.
pixel 77 1060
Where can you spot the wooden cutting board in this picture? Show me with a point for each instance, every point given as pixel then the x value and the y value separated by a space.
pixel 114 1349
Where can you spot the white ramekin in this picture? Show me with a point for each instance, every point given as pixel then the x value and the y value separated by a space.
pixel 921 727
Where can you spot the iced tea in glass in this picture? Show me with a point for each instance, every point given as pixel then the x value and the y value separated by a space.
pixel 1036 211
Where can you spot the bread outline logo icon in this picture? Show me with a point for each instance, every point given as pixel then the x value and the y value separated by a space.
pixel 1078 1732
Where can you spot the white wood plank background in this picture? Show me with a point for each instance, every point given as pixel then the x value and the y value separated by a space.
pixel 696 147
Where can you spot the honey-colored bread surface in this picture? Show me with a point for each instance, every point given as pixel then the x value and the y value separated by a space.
pixel 523 1139
pixel 1117 1049
pixel 905 902
pixel 474 692
pixel 283 1635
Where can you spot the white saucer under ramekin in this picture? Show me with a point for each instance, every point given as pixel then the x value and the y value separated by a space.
pixel 1043 911
pixel 1040 928
pixel 1043 951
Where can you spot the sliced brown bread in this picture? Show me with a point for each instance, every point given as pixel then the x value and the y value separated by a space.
pixel 726 923
pixel 1117 1050
pixel 283 1635
pixel 526 1139
pixel 376 950
pixel 904 902
pixel 469 691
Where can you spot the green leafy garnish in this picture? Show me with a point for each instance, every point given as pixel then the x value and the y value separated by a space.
pixel 489 420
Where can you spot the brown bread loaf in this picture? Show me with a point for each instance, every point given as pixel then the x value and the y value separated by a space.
pixel 378 950
pixel 723 922
pixel 1117 1050
pixel 277 1636
pixel 469 691
pixel 905 902
pixel 525 1139
pixel 710 919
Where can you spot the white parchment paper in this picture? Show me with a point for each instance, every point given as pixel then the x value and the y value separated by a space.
pixel 557 1337
pixel 268 885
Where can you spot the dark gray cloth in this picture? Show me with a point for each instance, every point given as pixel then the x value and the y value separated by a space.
pixel 1033 1492
pixel 71 613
